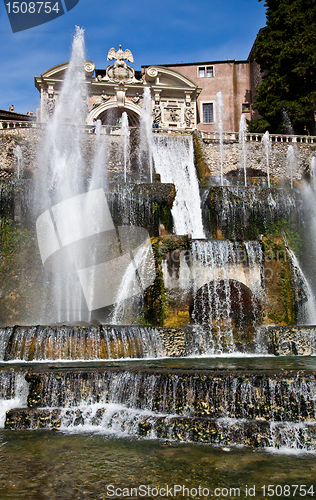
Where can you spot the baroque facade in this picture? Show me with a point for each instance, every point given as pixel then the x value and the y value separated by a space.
pixel 183 95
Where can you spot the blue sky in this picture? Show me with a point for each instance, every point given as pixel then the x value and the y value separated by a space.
pixel 167 31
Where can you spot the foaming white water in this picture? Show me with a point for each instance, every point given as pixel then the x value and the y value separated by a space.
pixel 266 143
pixel 99 170
pixel 125 144
pixel 146 136
pixel 174 161
pixel 307 311
pixel 61 177
pixel 130 284
pixel 220 116
pixel 113 419
pixel 220 298
pixel 15 394
pixel 17 151
pixel 242 143
pixel 291 164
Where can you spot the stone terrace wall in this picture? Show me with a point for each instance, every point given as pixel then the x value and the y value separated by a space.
pixel 256 157
pixel 30 140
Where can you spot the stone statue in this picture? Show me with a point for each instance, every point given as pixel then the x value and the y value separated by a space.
pixel 119 55
pixel 157 115
pixel 174 115
pixel 100 100
pixel 50 106
pixel 136 98
pixel 188 116
pixel 119 72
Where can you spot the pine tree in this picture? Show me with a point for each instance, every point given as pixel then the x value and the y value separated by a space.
pixel 286 52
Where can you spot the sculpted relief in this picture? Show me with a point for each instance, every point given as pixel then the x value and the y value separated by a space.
pixel 120 72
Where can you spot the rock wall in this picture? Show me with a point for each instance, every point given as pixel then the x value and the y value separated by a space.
pixel 30 139
pixel 256 157
pixel 31 142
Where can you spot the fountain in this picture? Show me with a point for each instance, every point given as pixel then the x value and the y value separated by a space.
pixel 266 143
pixel 146 138
pixel 220 113
pixel 19 156
pixel 242 142
pixel 313 172
pixel 291 163
pixel 125 143
pixel 157 324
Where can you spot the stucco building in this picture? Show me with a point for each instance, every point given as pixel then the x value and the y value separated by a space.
pixel 183 95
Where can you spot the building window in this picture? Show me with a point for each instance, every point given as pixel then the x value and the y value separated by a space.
pixel 206 71
pixel 208 112
pixel 245 108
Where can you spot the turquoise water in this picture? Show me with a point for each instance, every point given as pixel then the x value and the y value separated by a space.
pixel 40 465
pixel 233 362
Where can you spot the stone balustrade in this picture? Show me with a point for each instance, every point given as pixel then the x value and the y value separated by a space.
pixel 14 124
pixel 256 137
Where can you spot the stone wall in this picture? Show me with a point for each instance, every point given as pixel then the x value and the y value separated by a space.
pixel 256 157
pixel 31 143
pixel 30 140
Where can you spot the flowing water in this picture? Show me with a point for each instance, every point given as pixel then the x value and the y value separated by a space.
pixel 291 164
pixel 242 144
pixel 222 300
pixel 313 172
pixel 220 118
pixel 266 143
pixel 125 144
pixel 145 157
pixel 174 161
pixel 269 409
pixel 17 151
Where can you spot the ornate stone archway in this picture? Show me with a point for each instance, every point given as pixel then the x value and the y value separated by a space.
pixel 103 110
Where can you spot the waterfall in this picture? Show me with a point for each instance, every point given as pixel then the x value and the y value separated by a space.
pixel 145 157
pixel 13 392
pixel 214 407
pixel 131 284
pixel 174 161
pixel 307 307
pixel 222 302
pixel 41 343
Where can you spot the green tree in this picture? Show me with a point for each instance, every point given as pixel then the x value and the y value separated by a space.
pixel 286 52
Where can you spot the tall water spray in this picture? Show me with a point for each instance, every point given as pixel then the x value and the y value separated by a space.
pixel 266 143
pixel 62 197
pixel 290 158
pixel 313 172
pixel 146 135
pixel 242 142
pixel 220 114
pixel 19 156
pixel 99 170
pixel 125 144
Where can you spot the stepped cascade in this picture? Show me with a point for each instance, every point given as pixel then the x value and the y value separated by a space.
pixel 149 293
